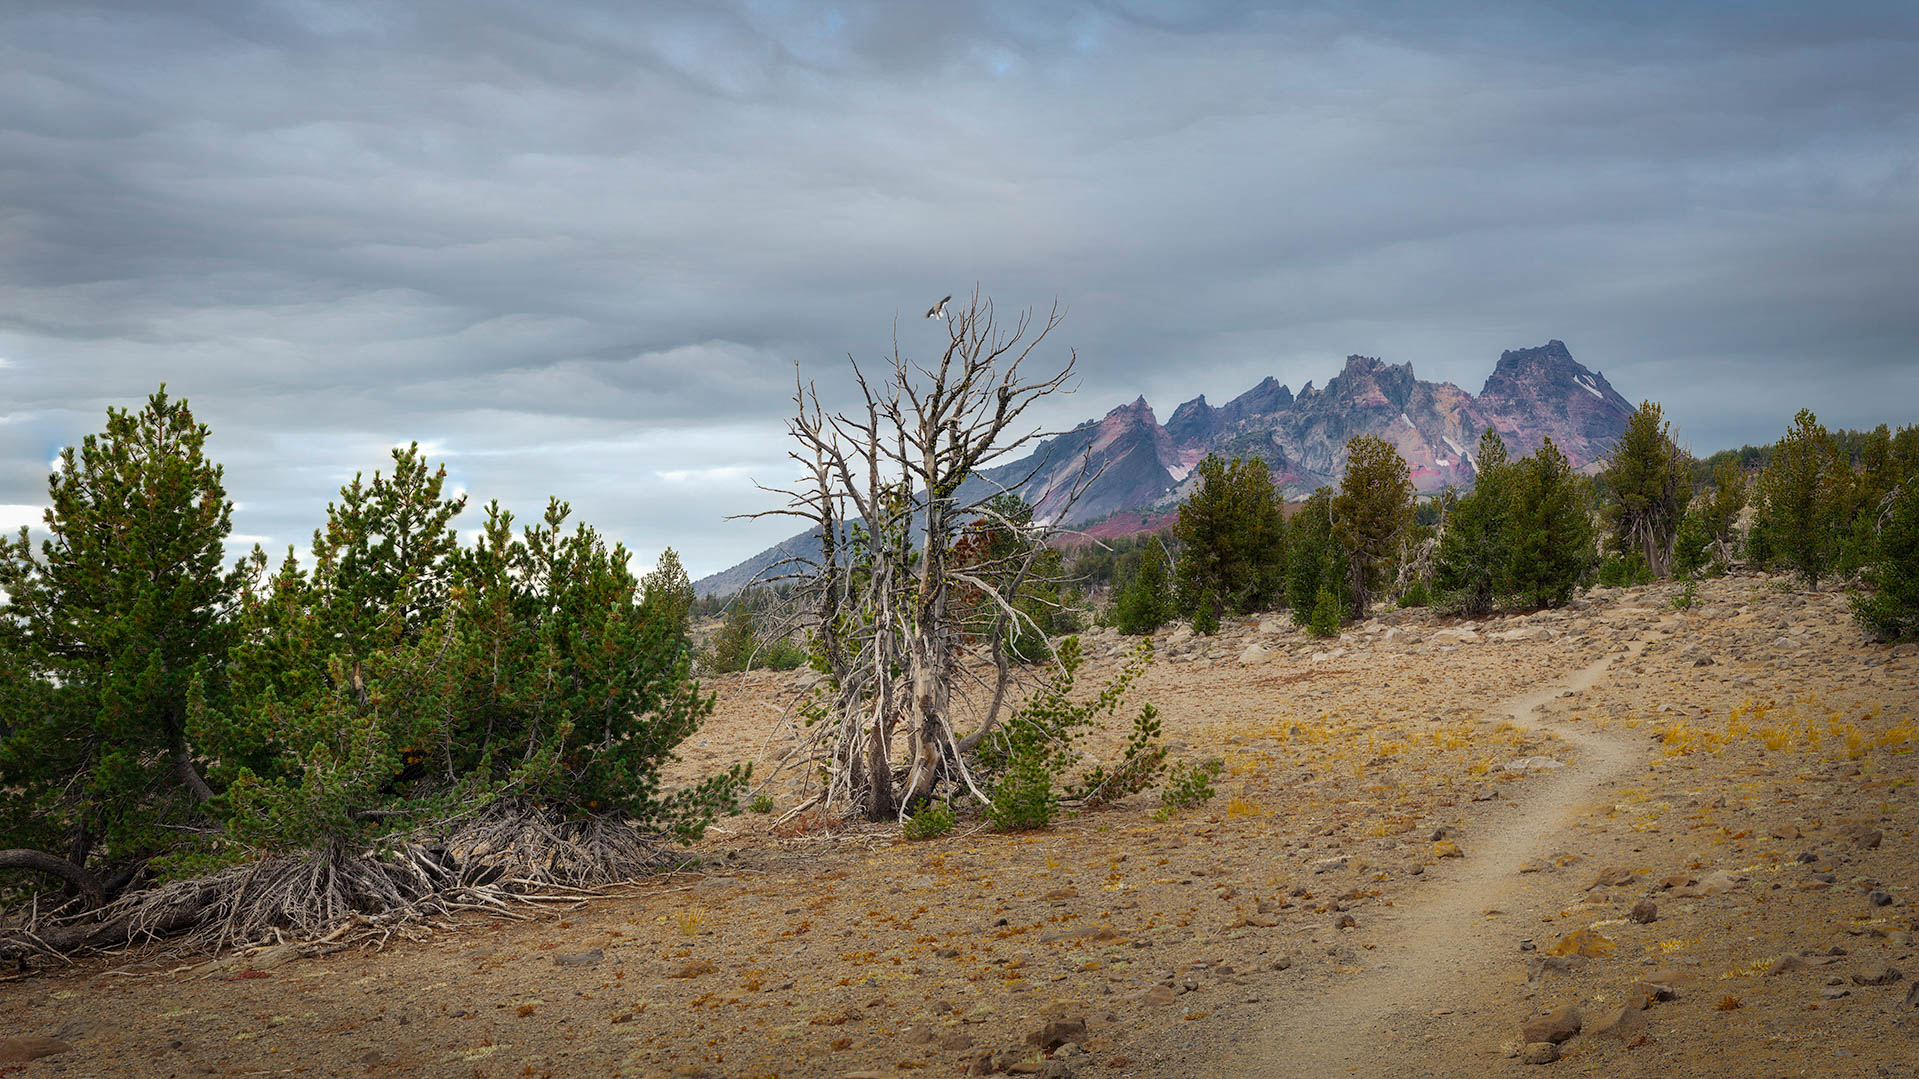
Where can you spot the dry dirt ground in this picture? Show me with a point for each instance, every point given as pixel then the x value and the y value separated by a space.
pixel 1687 835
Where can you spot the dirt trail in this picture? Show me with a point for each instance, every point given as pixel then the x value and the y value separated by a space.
pixel 1437 951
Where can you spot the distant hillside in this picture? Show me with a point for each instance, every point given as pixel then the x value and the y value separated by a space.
pixel 1532 394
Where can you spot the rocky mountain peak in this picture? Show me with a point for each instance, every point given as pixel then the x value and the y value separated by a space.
pixel 1547 358
pixel 1536 392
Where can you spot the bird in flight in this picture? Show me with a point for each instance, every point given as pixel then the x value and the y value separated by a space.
pixel 938 310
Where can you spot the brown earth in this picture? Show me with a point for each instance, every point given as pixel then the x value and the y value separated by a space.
pixel 1377 890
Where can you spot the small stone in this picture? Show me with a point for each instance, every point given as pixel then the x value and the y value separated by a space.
pixel 1346 921
pixel 1879 899
pixel 1877 974
pixel 1644 911
pixel 1619 1022
pixel 1539 1053
pixel 1446 848
pixel 1058 1032
pixel 1611 877
pixel 1834 992
pixel 1159 995
pixel 1785 964
pixel 1554 1027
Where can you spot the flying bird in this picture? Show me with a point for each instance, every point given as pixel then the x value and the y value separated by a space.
pixel 938 310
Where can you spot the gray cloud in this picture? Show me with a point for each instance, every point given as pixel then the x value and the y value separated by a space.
pixel 579 248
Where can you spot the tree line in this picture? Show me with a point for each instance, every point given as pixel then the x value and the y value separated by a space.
pixel 1532 530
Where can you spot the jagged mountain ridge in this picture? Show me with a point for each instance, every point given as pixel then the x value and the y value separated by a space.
pixel 1144 466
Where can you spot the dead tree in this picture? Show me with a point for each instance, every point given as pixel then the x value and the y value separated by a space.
pixel 890 488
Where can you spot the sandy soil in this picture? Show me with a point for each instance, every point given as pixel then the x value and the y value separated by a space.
pixel 1377 890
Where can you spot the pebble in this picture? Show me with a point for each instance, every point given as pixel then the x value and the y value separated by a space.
pixel 1554 1027
pixel 1644 911
pixel 1877 974
pixel 1539 1053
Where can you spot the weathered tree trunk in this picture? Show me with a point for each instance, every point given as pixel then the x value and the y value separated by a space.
pixel 88 885
pixel 884 590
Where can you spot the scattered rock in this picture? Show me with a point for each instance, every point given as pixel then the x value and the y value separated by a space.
pixel 1553 1027
pixel 1877 974
pixel 1619 1022
pixel 1879 899
pixel 1863 836
pixel 1644 912
pixel 1834 992
pixel 1159 995
pixel 1058 1032
pixel 1657 992
pixel 1611 877
pixel 1446 848
pixel 1721 880
pixel 1785 964
pixel 1539 1053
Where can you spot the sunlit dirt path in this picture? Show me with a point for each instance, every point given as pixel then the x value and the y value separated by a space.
pixel 1433 955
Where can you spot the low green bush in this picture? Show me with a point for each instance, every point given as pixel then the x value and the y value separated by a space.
pixel 935 819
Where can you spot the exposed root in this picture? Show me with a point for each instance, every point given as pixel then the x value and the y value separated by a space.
pixel 500 862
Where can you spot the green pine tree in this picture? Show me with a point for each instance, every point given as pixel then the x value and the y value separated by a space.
pixel 1472 569
pixel 107 632
pixel 1231 540
pixel 1888 606
pixel 1145 600
pixel 1371 514
pixel 1550 529
pixel 1313 555
pixel 1802 499
pixel 1648 480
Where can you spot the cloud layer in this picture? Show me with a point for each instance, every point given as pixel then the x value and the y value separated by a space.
pixel 579 249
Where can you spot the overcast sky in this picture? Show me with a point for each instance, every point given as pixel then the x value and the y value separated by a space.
pixel 577 248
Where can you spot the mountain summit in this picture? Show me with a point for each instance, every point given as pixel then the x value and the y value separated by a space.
pixel 1146 467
